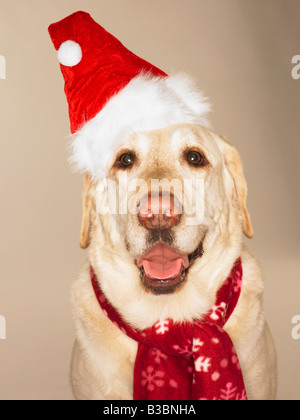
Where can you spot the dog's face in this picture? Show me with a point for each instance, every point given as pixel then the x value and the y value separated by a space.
pixel 175 196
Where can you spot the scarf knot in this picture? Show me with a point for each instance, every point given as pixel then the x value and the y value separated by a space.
pixel 188 360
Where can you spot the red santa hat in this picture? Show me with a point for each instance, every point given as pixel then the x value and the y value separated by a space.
pixel 113 93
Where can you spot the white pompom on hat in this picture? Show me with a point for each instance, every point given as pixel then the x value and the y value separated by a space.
pixel 69 53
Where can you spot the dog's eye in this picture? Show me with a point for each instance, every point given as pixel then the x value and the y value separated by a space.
pixel 126 160
pixel 195 158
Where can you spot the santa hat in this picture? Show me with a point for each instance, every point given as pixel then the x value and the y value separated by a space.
pixel 112 93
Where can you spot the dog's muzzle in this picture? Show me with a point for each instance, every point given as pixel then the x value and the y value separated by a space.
pixel 163 268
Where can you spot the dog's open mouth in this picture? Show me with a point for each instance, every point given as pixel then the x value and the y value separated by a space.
pixel 163 269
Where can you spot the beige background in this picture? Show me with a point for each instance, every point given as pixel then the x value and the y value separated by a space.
pixel 240 51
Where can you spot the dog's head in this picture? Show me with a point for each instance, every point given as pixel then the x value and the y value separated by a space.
pixel 172 207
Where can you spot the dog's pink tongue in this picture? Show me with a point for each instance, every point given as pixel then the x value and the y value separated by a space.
pixel 163 262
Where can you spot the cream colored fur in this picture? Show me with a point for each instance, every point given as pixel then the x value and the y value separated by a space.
pixel 103 356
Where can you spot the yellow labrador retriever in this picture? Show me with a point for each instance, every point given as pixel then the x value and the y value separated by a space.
pixel 194 178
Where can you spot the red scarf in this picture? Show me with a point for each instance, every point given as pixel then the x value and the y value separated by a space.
pixel 186 361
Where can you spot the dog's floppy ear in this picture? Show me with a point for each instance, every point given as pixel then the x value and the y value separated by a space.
pixel 235 168
pixel 86 213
